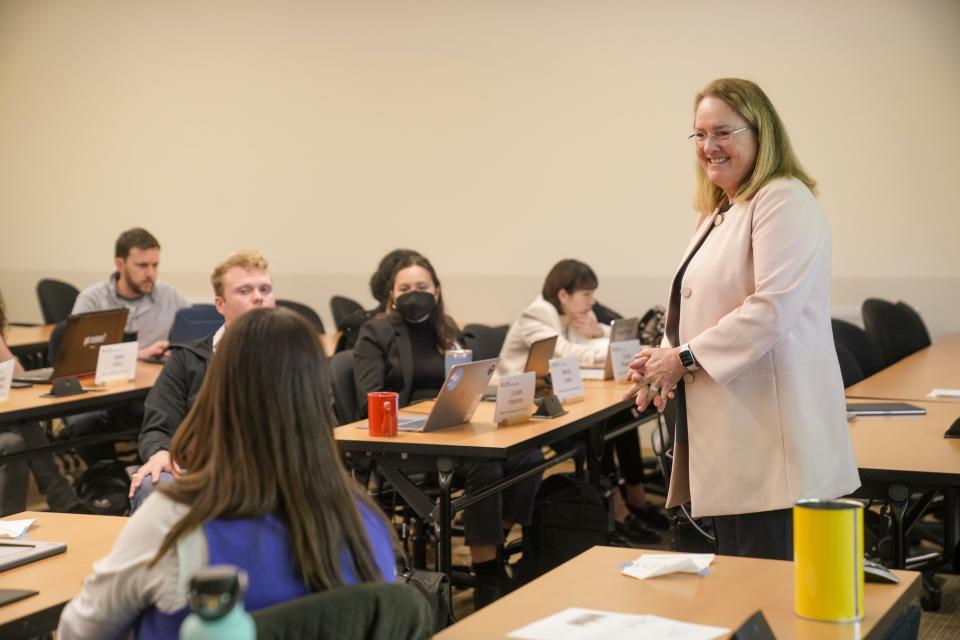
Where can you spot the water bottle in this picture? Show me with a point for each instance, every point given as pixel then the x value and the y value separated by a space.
pixel 216 606
pixel 455 356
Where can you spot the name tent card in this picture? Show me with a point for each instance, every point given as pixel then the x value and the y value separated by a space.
pixel 515 398
pixel 567 383
pixel 6 378
pixel 116 362
pixel 621 355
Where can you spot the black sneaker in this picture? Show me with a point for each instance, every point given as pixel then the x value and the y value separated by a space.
pixel 651 516
pixel 634 530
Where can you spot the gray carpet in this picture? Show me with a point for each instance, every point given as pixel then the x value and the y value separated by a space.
pixel 945 623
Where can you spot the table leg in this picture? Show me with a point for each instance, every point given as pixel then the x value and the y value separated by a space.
pixel 444 517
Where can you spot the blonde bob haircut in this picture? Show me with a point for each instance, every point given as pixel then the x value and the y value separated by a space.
pixel 245 258
pixel 775 157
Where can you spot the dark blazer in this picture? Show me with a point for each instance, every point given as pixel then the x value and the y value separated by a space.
pixel 383 361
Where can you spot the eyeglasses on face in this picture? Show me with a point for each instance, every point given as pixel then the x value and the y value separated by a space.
pixel 720 135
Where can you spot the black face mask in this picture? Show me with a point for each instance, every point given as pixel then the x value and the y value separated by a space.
pixel 416 306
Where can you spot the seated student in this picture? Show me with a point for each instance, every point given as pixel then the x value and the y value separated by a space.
pixel 380 290
pixel 240 283
pixel 402 350
pixel 565 309
pixel 13 475
pixel 152 305
pixel 265 491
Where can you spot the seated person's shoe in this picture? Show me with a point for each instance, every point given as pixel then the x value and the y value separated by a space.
pixel 490 588
pixel 634 530
pixel 651 516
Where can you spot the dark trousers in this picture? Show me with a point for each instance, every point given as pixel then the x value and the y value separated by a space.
pixel 628 457
pixel 765 534
pixel 481 521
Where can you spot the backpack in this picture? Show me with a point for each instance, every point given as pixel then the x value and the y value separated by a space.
pixel 569 517
pixel 104 486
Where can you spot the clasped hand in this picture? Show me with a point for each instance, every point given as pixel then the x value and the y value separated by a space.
pixel 654 373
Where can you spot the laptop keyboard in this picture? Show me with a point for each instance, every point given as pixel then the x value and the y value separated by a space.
pixel 35 375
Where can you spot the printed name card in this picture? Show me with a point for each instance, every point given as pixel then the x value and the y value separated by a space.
pixel 515 398
pixel 116 362
pixel 6 378
pixel 567 383
pixel 621 355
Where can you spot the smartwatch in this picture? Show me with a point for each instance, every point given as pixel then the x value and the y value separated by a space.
pixel 686 358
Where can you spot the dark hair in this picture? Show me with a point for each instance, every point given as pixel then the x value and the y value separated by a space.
pixel 569 275
pixel 258 441
pixel 443 325
pixel 381 282
pixel 135 238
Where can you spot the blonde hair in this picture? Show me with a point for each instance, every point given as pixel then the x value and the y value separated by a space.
pixel 245 258
pixel 775 157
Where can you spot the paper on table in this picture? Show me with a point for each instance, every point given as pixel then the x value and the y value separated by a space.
pixel 590 624
pixel 944 393
pixel 591 374
pixel 15 528
pixel 650 565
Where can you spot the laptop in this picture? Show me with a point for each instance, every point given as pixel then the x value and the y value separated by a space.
pixel 884 409
pixel 620 329
pixel 458 398
pixel 14 553
pixel 80 345
pixel 538 361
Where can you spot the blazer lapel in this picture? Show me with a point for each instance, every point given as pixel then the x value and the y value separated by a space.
pixel 405 351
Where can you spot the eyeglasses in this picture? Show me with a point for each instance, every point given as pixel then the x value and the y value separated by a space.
pixel 722 135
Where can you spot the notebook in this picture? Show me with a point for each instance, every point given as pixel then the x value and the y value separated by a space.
pixel 885 409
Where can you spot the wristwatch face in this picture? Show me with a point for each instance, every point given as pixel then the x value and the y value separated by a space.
pixel 686 358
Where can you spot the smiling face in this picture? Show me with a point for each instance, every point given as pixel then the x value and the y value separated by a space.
pixel 727 164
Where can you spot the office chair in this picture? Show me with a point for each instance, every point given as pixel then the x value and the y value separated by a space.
pixel 359 612
pixel 344 389
pixel 484 341
pixel 859 345
pixel 194 322
pixel 304 311
pixel 605 315
pixel 342 307
pixel 849 367
pixel 896 328
pixel 56 299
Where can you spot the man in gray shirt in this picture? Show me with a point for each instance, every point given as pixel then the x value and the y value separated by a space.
pixel 134 286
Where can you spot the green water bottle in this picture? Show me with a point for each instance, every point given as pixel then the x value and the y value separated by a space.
pixel 216 606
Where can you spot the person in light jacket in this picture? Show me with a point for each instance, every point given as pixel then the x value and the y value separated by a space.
pixel 748 354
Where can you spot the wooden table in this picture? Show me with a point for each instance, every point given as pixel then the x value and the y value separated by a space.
pixel 32 337
pixel 733 590
pixel 30 405
pixel 911 379
pixel 441 451
pixel 57 578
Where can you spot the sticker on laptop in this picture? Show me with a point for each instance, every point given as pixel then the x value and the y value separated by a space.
pixel 455 377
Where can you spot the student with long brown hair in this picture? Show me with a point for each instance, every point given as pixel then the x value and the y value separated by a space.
pixel 263 489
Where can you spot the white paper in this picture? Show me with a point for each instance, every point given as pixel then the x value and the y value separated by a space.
pixel 590 624
pixel 565 378
pixel 6 377
pixel 591 374
pixel 621 355
pixel 116 362
pixel 515 397
pixel 650 565
pixel 15 528
pixel 944 393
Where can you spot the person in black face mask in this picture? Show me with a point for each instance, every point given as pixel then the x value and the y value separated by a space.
pixel 402 350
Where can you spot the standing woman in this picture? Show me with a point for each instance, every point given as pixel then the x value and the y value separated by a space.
pixel 263 490
pixel 402 350
pixel 748 353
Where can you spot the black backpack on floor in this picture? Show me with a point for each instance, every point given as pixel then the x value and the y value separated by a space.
pixel 569 517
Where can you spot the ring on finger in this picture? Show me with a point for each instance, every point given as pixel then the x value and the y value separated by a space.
pixel 654 389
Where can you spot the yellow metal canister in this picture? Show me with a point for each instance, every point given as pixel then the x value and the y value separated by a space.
pixel 828 559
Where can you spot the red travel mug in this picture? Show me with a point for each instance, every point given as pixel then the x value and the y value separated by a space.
pixel 382 413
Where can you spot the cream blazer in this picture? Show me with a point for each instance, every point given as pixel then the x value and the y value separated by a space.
pixel 541 320
pixel 766 415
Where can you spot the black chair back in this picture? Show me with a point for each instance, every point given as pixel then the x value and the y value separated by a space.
pixel 361 612
pixel 861 346
pixel 342 307
pixel 605 315
pixel 194 322
pixel 304 310
pixel 344 389
pixel 849 367
pixel 896 328
pixel 56 299
pixel 484 341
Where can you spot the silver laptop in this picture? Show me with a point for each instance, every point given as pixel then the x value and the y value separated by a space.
pixel 458 399
pixel 14 553
pixel 80 345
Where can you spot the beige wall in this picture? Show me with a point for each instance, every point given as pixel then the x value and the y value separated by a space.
pixel 496 137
